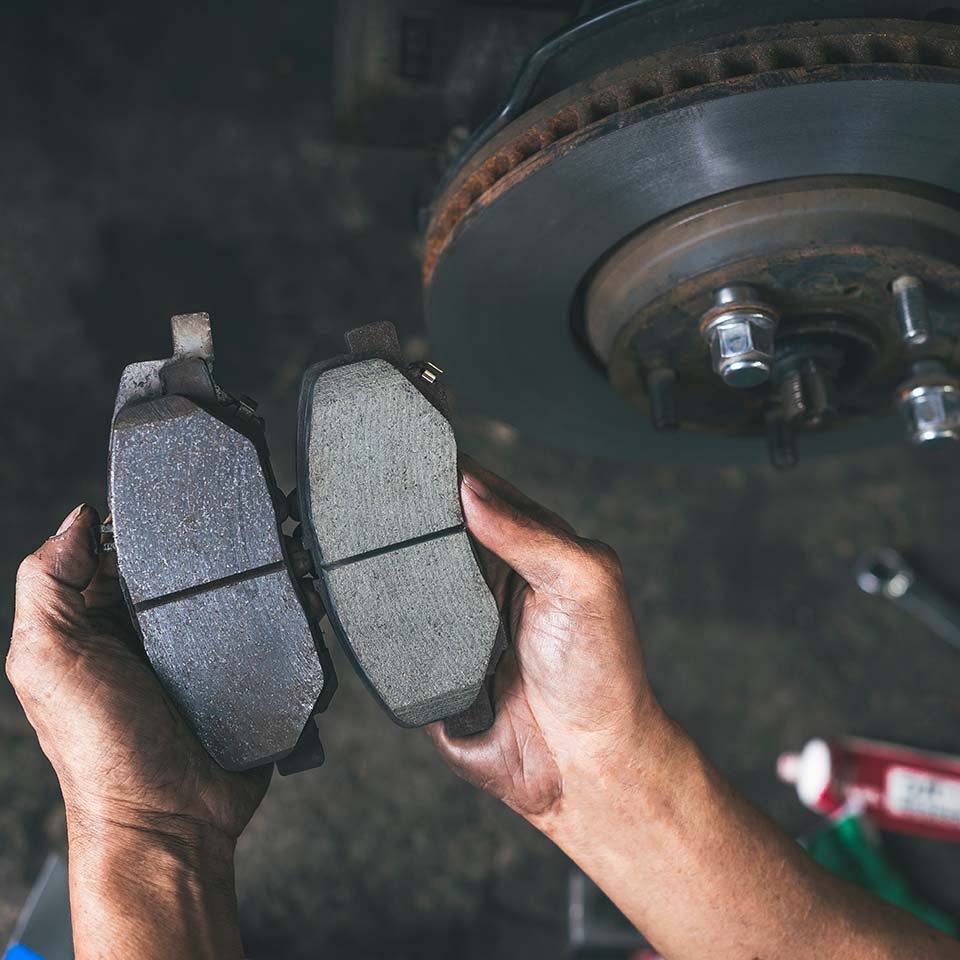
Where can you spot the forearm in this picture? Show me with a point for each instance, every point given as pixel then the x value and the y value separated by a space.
pixel 147 894
pixel 701 872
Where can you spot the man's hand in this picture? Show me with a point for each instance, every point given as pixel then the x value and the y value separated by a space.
pixel 571 693
pixel 145 804
pixel 581 748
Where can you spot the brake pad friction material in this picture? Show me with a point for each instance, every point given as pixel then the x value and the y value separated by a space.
pixel 200 556
pixel 381 462
pixel 380 499
pixel 213 522
pixel 253 691
pixel 403 615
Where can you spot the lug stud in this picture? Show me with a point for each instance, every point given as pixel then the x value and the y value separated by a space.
pixel 910 302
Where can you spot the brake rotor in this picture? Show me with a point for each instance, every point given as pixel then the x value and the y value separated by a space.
pixel 575 249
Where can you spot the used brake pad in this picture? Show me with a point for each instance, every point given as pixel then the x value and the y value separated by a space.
pixel 378 482
pixel 208 578
pixel 203 562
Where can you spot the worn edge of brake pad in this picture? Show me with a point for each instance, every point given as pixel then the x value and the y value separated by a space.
pixel 212 599
pixel 380 502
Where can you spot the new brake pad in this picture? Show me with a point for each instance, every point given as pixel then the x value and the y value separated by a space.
pixel 203 562
pixel 378 482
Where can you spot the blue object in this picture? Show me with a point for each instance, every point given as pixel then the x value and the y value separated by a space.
pixel 44 922
pixel 19 952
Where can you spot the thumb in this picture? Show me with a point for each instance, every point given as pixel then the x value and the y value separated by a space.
pixel 51 579
pixel 70 556
pixel 539 551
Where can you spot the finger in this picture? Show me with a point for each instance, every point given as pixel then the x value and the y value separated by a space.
pixel 69 558
pixel 470 757
pixel 464 754
pixel 507 491
pixel 495 572
pixel 539 551
pixel 50 580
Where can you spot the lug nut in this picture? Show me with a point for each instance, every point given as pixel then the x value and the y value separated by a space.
pixel 910 302
pixel 739 330
pixel 930 403
pixel 662 395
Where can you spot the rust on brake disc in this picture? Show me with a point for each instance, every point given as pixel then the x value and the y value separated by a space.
pixel 767 57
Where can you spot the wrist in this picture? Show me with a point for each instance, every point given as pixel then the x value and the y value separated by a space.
pixel 177 846
pixel 139 885
pixel 621 781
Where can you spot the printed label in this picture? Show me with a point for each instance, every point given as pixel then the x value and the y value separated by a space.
pixel 914 794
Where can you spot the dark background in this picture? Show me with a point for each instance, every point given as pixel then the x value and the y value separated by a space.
pixel 165 159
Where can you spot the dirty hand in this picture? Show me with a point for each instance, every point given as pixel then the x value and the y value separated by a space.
pixel 581 748
pixel 571 694
pixel 124 757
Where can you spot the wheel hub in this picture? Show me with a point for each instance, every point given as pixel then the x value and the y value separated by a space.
pixel 572 257
pixel 822 252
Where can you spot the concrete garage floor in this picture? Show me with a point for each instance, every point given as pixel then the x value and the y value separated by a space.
pixel 160 161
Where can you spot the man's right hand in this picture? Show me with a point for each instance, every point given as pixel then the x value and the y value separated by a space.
pixel 571 693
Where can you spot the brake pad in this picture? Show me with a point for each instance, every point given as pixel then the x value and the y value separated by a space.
pixel 204 565
pixel 379 500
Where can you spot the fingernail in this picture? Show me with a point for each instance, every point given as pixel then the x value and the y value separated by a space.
pixel 477 487
pixel 68 522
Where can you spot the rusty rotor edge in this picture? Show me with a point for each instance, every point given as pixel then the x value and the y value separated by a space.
pixel 729 65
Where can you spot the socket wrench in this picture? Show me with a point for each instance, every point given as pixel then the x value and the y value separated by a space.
pixel 884 573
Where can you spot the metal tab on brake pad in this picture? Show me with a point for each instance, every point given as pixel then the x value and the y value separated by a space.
pixel 203 567
pixel 380 499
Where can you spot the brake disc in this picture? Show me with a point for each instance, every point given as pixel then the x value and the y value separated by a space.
pixel 576 248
